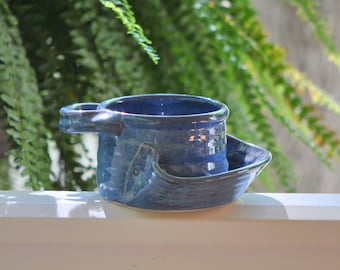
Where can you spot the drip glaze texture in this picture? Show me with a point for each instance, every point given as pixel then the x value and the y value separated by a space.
pixel 162 151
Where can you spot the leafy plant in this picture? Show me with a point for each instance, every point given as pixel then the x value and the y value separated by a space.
pixel 57 53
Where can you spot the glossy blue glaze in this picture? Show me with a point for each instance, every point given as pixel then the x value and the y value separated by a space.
pixel 187 131
pixel 149 186
pixel 166 151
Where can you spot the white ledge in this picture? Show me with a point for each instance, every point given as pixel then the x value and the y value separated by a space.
pixel 258 231
pixel 251 206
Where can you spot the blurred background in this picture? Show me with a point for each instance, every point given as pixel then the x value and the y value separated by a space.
pixel 57 53
pixel 285 28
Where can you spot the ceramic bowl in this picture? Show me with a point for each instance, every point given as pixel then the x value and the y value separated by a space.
pixel 155 189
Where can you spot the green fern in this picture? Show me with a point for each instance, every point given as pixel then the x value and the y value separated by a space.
pixel 23 105
pixel 118 53
pixel 309 13
pixel 125 14
pixel 235 67
pixel 93 76
pixel 176 52
pixel 80 52
pixel 49 52
pixel 270 59
pixel 317 96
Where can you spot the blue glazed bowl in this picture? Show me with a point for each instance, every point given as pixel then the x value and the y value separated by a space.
pixel 166 151
pixel 148 186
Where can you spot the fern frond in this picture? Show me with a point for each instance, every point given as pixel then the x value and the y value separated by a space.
pixel 48 46
pixel 314 134
pixel 118 55
pixel 309 13
pixel 317 95
pixel 23 104
pixel 233 65
pixel 177 54
pixel 125 14
pixel 93 78
pixel 5 183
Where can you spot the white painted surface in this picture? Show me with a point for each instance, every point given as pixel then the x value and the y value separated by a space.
pixel 77 230
pixel 256 206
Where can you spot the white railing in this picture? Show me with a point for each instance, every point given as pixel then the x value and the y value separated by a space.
pixel 64 230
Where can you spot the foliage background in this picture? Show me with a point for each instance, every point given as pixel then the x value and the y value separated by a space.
pixel 56 53
pixel 281 21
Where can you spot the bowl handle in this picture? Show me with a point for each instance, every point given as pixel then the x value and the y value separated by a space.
pixel 88 117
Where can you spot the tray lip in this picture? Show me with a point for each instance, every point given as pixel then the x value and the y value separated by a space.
pixel 241 170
